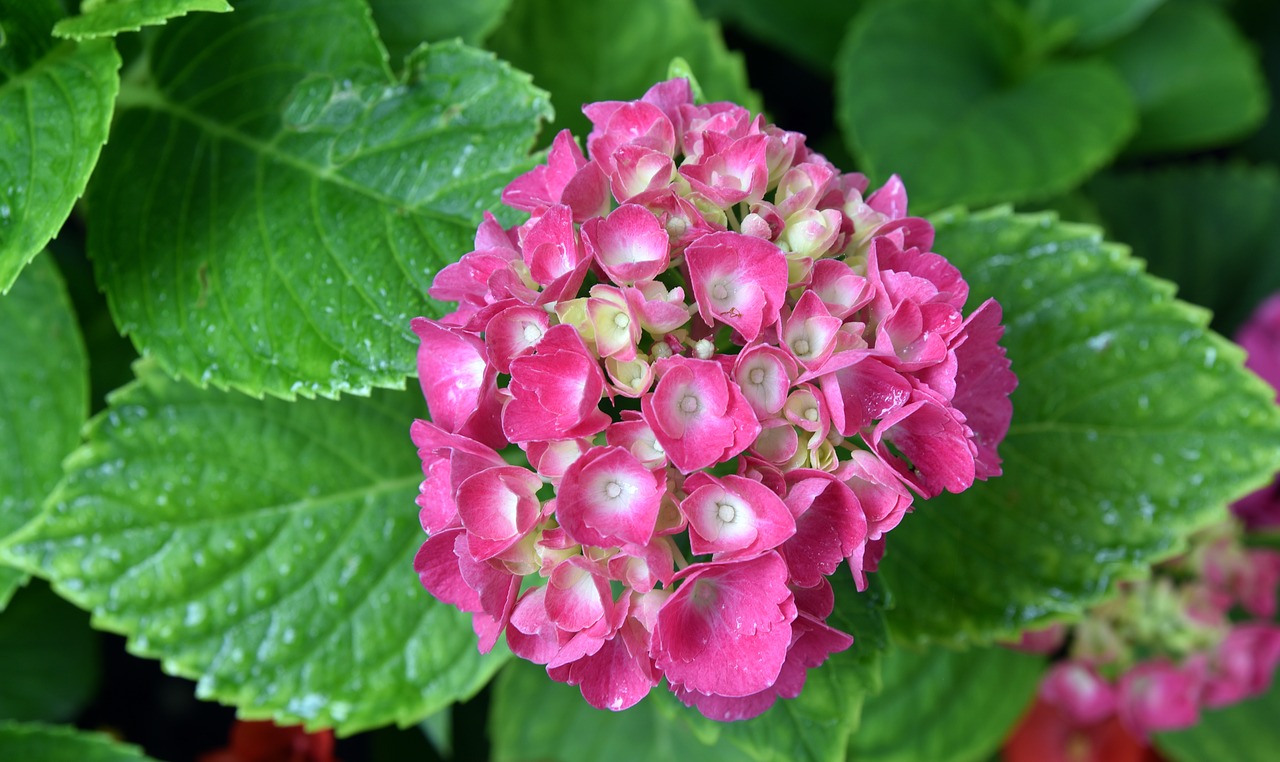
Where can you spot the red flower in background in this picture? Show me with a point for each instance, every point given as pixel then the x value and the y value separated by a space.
pixel 1049 734
pixel 265 741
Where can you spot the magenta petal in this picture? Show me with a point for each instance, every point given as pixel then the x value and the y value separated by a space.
pixel 697 414
pixel 438 570
pixel 531 634
pixel 454 372
pixel 727 627
pixel 447 460
pixel 983 385
pixel 512 332
pixel 734 517
pixel 630 244
pixel 862 392
pixel 498 506
pixel 1157 695
pixel 738 280
pixel 891 199
pixel 830 525
pixel 555 391
pixel 618 675
pixel 577 595
pixel 1077 689
pixel 550 245
pixel 939 454
pixel 608 498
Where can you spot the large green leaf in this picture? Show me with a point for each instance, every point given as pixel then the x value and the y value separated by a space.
pixel 274 225
pixel 1133 424
pixel 262 547
pixel 586 52
pixel 1212 229
pixel 44 397
pixel 49 743
pixel 406 24
pixel 49 658
pixel 1092 22
pixel 966 700
pixel 1195 79
pixel 942 93
pixel 55 110
pixel 103 18
pixel 809 31
pixel 1245 732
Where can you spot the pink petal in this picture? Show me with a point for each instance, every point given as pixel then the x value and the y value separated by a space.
pixel 1077 689
pixel 630 244
pixel 734 517
pixel 983 385
pixel 738 280
pixel 608 498
pixel 577 595
pixel 727 627
pixel 457 380
pixel 830 525
pixel 497 507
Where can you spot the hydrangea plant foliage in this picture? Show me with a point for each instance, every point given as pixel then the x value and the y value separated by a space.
pixel 281 204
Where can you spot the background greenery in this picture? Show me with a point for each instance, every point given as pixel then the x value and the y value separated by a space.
pixel 255 199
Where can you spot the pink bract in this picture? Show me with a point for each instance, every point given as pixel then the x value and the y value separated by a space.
pixel 708 372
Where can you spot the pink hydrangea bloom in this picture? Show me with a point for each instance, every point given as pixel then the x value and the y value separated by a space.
pixel 716 373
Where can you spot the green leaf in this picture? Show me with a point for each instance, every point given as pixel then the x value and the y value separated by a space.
pixel 1133 425
pixel 104 18
pixel 406 24
pixel 809 32
pixel 969 700
pixel 44 388
pixel 283 218
pixel 965 118
pixel 264 548
pixel 1212 229
pixel 49 743
pixel 1245 732
pixel 625 48
pixel 534 718
pixel 49 658
pixel 55 110
pixel 1196 81
pixel 1092 22
pixel 11 580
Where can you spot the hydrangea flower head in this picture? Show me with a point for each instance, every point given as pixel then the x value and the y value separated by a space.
pixel 708 370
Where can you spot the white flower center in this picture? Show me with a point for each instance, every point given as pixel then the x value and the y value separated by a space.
pixel 811 414
pixel 621 320
pixel 612 490
pixel 690 404
pixel 532 332
pixel 726 513
pixel 801 346
pixel 756 376
pixel 720 292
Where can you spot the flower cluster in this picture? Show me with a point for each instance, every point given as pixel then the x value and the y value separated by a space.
pixel 705 373
pixel 1199 633
pixel 1196 634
